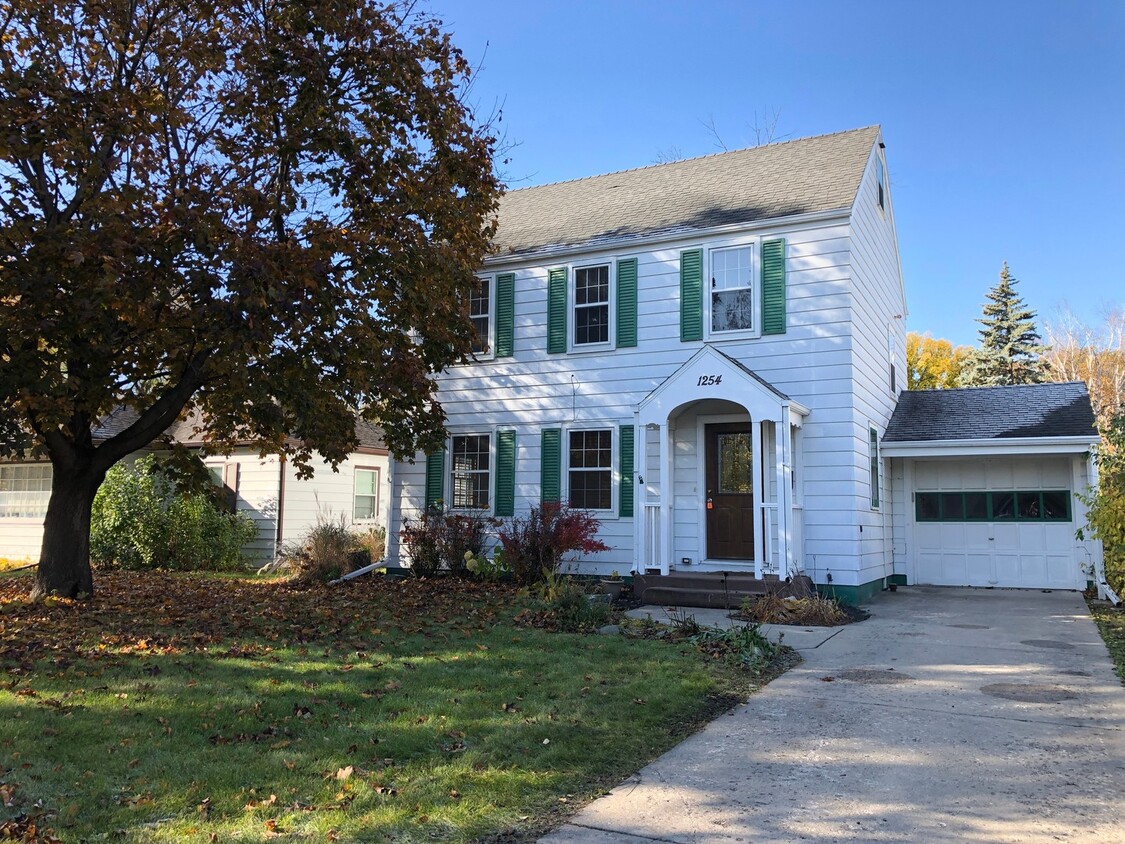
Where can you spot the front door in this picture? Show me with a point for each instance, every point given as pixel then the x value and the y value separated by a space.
pixel 730 491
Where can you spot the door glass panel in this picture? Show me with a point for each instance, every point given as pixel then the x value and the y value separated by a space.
pixel 1055 506
pixel 1003 505
pixel 1029 505
pixel 735 463
pixel 927 506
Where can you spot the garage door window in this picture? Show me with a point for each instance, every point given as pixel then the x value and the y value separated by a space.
pixel 1031 506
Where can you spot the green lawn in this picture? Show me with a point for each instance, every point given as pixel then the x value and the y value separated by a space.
pixel 193 709
pixel 1111 623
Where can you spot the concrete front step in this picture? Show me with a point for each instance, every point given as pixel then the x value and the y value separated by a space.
pixel 718 590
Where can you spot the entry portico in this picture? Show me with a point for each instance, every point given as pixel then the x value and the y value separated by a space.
pixel 716 464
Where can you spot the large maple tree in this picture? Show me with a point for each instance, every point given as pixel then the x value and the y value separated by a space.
pixel 271 209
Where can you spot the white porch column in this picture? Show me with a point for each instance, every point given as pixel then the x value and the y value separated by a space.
pixel 784 459
pixel 639 497
pixel 667 485
pixel 761 539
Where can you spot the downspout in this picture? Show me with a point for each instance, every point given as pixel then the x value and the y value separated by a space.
pixel 280 506
pixel 1105 591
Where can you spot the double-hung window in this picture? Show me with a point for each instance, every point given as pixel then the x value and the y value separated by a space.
pixel 481 315
pixel 732 289
pixel 25 490
pixel 591 306
pixel 590 469
pixel 471 474
pixel 366 502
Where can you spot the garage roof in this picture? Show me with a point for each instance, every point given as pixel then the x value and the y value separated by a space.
pixel 989 413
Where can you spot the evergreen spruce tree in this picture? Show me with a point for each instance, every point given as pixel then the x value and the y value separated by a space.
pixel 1010 346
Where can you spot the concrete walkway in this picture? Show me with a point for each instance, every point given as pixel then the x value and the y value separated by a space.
pixel 951 715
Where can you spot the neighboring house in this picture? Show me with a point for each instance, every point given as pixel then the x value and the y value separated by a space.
pixel 283 507
pixel 264 488
pixel 706 355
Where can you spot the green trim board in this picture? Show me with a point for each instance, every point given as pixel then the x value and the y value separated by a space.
pixel 505 314
pixel 852 595
pixel 627 303
pixel 691 295
pixel 556 311
pixel 773 287
pixel 505 503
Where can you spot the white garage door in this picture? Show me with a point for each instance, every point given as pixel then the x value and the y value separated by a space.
pixel 995 522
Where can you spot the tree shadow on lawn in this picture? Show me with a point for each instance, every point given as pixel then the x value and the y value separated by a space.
pixel 428 729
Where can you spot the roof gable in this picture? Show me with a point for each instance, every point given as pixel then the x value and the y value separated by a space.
pixel 993 413
pixel 803 176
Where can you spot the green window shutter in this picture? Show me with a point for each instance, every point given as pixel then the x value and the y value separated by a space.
pixel 691 295
pixel 505 314
pixel 550 479
pixel 627 303
pixel 625 498
pixel 556 310
pixel 505 474
pixel 435 477
pixel 773 287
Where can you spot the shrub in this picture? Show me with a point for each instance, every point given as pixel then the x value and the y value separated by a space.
pixel 373 540
pixel 1105 517
pixel 328 550
pixel 494 568
pixel 536 544
pixel 140 521
pixel 438 541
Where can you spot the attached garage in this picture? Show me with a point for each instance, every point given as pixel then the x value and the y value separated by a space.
pixel 984 485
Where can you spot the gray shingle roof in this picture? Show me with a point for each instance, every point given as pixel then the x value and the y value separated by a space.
pixel 191 431
pixel 983 413
pixel 802 176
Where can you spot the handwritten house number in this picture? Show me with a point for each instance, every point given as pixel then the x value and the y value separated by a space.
pixel 708 380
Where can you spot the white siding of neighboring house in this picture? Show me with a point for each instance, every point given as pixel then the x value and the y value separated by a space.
pixel 812 363
pixel 330 495
pixel 257 496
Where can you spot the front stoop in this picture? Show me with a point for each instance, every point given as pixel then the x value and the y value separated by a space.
pixel 715 589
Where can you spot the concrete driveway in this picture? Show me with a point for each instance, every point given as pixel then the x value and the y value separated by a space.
pixel 949 715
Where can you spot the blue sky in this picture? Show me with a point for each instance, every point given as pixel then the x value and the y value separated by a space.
pixel 1004 121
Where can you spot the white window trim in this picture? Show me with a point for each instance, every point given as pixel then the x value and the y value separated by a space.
pixel 614 466
pixel 571 305
pixel 377 494
pixel 447 487
pixel 490 353
pixel 756 286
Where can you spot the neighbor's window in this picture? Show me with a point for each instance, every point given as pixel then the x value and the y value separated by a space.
pixel 591 305
pixel 732 289
pixel 366 503
pixel 874 450
pixel 470 471
pixel 480 312
pixel 25 490
pixel 590 469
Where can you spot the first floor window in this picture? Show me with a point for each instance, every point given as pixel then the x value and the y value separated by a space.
pixel 480 313
pixel 25 490
pixel 874 445
pixel 732 289
pixel 471 471
pixel 591 305
pixel 590 469
pixel 366 503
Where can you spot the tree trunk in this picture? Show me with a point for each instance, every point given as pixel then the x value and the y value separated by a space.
pixel 64 562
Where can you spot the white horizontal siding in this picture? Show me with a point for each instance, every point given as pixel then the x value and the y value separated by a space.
pixel 329 495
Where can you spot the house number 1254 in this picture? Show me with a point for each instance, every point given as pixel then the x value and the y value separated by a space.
pixel 708 380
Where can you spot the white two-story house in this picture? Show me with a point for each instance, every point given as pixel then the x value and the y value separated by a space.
pixel 705 354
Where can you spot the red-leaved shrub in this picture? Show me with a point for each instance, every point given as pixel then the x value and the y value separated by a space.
pixel 534 545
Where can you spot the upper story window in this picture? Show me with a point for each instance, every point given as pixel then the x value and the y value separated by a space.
pixel 471 471
pixel 732 289
pixel 25 490
pixel 881 180
pixel 591 305
pixel 873 447
pixel 480 312
pixel 366 503
pixel 590 469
